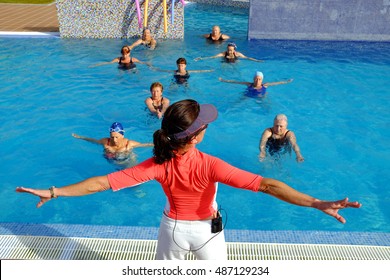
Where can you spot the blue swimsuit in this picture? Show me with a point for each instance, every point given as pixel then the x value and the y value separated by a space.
pixel 253 92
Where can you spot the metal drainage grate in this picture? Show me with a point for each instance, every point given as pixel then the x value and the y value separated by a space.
pixel 68 248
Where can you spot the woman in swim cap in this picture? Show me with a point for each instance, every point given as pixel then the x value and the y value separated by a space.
pixel 190 221
pixel 116 146
pixel 257 88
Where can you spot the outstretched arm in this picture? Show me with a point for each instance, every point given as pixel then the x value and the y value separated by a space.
pixel 293 141
pixel 238 54
pixel 141 62
pixel 234 82
pixel 161 70
pixel 88 186
pixel 136 43
pixel 278 83
pixel 207 57
pixel 137 144
pixel 200 71
pixel 284 192
pixel 104 63
pixel 92 140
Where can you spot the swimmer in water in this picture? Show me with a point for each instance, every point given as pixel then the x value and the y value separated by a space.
pixel 257 88
pixel 216 35
pixel 125 61
pixel 147 40
pixel 157 104
pixel 277 140
pixel 181 74
pixel 116 147
pixel 230 55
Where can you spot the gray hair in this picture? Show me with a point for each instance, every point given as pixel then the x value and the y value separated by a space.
pixel 281 117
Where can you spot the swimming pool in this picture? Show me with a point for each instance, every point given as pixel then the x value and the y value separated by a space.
pixel 337 106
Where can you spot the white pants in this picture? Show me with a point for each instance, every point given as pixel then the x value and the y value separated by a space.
pixel 177 238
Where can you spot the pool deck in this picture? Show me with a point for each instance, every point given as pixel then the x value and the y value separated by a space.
pixel 29 241
pixel 28 18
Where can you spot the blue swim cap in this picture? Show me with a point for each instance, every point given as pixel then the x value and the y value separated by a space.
pixel 117 127
pixel 259 74
pixel 231 44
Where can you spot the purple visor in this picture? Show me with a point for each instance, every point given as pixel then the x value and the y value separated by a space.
pixel 207 114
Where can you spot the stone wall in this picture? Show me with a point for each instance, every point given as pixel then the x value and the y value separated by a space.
pixel 117 19
pixel 358 20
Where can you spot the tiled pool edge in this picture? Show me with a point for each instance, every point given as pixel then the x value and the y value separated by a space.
pixel 25 34
pixel 150 233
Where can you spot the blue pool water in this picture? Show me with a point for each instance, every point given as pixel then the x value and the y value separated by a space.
pixel 337 105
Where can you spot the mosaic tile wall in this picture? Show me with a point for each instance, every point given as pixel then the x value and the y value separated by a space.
pixel 118 18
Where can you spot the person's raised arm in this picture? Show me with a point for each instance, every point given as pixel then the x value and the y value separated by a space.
pixel 88 186
pixel 263 141
pixel 278 83
pixel 234 82
pixel 136 43
pixel 293 141
pixel 284 192
pixel 92 140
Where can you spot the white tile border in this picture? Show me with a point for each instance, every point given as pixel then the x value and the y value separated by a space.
pixel 29 34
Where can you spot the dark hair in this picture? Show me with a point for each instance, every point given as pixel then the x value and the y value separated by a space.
pixel 124 48
pixel 181 60
pixel 156 84
pixel 177 118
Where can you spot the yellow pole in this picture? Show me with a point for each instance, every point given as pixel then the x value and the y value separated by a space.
pixel 146 13
pixel 165 17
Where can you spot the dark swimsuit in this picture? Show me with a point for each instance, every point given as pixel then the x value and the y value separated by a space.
pixel 158 108
pixel 126 65
pixel 210 37
pixel 181 79
pixel 281 145
pixel 230 60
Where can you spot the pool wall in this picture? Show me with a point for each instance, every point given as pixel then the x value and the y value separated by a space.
pixel 353 20
pixel 118 19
